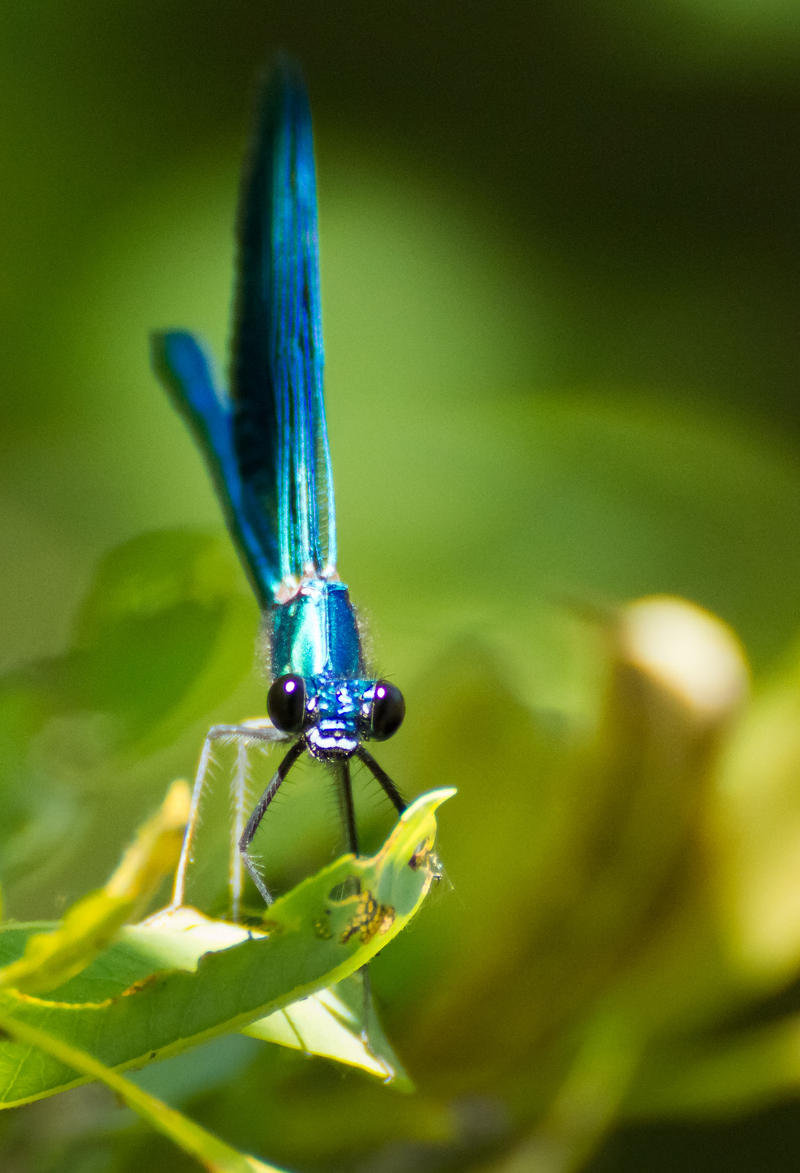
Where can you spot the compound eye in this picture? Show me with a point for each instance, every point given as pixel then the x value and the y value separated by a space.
pixel 388 710
pixel 286 703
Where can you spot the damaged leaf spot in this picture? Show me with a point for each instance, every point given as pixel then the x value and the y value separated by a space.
pixel 425 857
pixel 322 928
pixel 370 918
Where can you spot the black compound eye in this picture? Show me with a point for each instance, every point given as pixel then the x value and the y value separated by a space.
pixel 388 710
pixel 286 703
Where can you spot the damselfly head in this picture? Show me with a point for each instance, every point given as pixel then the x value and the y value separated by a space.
pixel 334 716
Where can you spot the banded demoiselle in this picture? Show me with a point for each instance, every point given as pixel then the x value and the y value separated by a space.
pixel 266 444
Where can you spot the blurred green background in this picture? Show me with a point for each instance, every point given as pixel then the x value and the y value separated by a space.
pixel 559 267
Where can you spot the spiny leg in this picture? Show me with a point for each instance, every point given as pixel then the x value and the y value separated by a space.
pixel 259 730
pixel 400 805
pixel 381 776
pixel 348 811
pixel 235 868
pixel 258 814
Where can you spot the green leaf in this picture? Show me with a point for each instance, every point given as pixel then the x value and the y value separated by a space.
pixel 52 957
pixel 325 1024
pixel 215 1154
pixel 179 979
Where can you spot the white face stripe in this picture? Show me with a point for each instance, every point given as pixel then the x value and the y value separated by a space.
pixel 331 740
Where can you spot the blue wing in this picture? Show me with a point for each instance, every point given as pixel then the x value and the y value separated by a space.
pixel 184 368
pixel 279 430
pixel 267 445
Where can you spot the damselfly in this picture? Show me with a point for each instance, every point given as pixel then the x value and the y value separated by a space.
pixel 266 444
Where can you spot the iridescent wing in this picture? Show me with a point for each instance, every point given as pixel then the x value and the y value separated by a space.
pixel 267 444
pixel 280 434
pixel 184 369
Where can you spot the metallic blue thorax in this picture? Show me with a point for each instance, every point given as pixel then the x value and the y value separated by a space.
pixel 315 634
